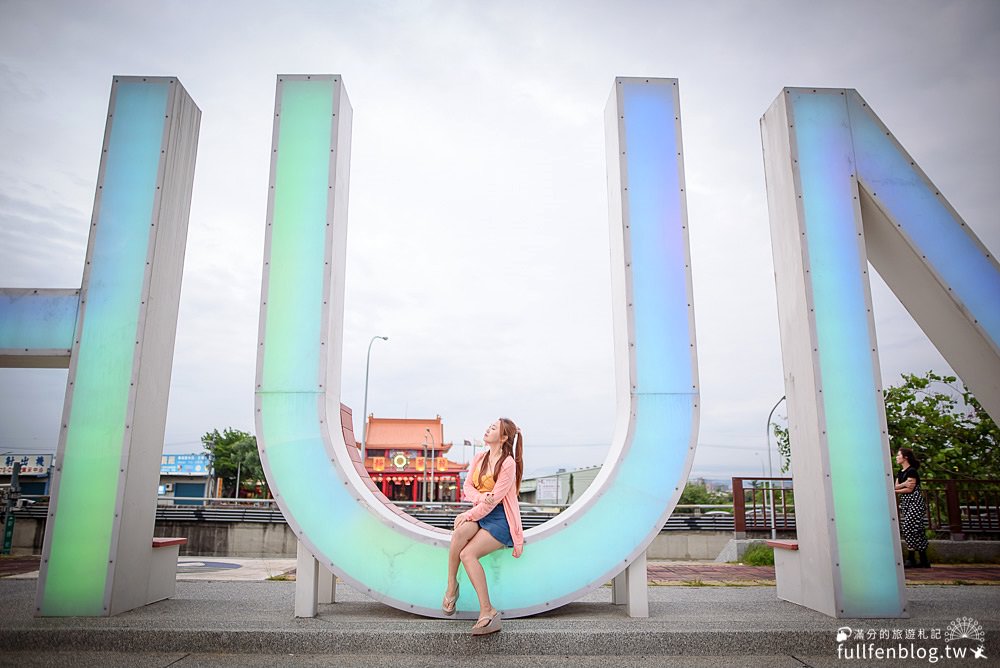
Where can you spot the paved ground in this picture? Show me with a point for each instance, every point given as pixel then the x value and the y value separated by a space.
pixel 17 565
pixel 251 623
pixel 686 573
pixel 711 573
pixel 390 660
pixel 188 568
pixel 228 613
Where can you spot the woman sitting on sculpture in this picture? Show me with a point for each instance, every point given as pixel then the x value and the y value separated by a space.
pixel 493 522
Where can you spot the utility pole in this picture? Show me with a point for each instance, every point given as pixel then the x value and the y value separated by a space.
pixel 424 477
pixel 429 433
pixel 11 496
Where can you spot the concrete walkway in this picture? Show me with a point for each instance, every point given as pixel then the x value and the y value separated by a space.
pixel 188 568
pixel 232 622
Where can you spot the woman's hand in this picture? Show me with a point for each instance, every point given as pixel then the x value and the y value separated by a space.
pixel 488 499
pixel 518 549
pixel 460 520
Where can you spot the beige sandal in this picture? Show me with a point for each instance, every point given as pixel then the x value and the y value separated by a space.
pixel 491 626
pixel 450 603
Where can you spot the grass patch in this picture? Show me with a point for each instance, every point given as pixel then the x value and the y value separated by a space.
pixel 694 583
pixel 758 554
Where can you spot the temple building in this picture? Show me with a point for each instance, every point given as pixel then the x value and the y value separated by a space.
pixel 407 459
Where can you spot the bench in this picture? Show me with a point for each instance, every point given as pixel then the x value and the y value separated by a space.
pixel 783 544
pixel 163 568
pixel 787 569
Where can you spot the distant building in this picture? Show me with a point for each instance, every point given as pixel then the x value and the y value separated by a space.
pixel 401 452
pixel 561 488
pixel 714 485
pixel 35 475
pixel 184 479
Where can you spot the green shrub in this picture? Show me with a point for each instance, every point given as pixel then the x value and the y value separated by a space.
pixel 758 554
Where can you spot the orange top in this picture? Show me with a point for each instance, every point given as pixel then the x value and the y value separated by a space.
pixel 504 488
pixel 485 483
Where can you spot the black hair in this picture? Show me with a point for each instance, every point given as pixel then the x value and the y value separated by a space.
pixel 910 457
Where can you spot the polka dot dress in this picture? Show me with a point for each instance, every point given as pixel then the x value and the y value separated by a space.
pixel 913 513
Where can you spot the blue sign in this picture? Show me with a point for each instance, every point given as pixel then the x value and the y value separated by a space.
pixel 193 464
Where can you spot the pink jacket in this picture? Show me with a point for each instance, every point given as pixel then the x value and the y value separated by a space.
pixel 505 488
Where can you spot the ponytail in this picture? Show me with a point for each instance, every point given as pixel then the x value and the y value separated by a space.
pixel 512 446
pixel 519 457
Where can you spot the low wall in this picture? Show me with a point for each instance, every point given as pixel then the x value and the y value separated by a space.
pixel 688 545
pixel 205 539
pixel 276 539
pixel 29 534
pixel 939 551
pixel 266 539
pixel 232 539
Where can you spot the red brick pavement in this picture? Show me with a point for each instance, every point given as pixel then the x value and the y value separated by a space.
pixel 18 565
pixel 678 573
pixel 665 572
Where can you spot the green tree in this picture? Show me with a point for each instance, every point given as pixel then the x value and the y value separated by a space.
pixel 945 426
pixel 941 421
pixel 234 452
pixel 784 447
pixel 697 493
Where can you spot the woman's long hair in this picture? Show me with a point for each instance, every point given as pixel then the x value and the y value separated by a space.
pixel 910 458
pixel 512 445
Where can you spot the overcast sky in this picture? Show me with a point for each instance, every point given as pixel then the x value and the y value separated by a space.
pixel 478 209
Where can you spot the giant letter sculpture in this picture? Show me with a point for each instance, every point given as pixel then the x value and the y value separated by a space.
pixel 116 335
pixel 841 191
pixel 299 368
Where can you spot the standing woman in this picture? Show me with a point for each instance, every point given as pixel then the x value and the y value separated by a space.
pixel 493 522
pixel 913 507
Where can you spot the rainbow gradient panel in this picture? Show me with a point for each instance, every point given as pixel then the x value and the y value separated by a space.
pixel 843 192
pixel 89 467
pixel 89 561
pixel 306 461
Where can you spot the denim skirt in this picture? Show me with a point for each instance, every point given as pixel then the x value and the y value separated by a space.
pixel 496 524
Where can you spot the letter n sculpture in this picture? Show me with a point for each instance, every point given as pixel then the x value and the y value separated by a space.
pixel 842 192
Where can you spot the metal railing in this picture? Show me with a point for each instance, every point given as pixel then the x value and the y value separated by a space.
pixel 763 504
pixel 961 507
pixel 956 508
pixel 442 515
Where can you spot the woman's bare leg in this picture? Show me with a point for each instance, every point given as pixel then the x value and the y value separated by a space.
pixel 481 544
pixel 459 539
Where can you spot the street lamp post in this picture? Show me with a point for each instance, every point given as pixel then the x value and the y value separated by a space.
pixel 239 465
pixel 770 472
pixel 429 433
pixel 424 476
pixel 364 426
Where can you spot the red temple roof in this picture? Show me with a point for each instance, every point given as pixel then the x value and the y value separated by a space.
pixel 406 433
pixel 398 445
